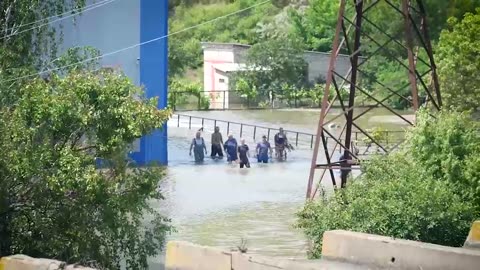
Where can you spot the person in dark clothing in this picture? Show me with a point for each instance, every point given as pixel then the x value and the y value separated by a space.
pixel 345 168
pixel 230 148
pixel 243 154
pixel 217 143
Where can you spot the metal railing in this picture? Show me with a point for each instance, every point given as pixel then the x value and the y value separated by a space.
pixel 256 131
pixel 232 100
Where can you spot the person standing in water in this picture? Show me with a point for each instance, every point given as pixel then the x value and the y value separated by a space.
pixel 243 154
pixel 217 143
pixel 263 149
pixel 230 148
pixel 198 145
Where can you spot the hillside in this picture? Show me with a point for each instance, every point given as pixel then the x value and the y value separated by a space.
pixel 248 27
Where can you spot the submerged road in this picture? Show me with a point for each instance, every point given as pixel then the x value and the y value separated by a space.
pixel 218 204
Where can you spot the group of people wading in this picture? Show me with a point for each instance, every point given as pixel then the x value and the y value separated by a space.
pixel 239 152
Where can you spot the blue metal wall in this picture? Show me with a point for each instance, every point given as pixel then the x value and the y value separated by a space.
pixel 153 74
pixel 120 24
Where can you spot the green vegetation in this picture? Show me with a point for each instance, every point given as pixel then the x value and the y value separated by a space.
pixel 185 48
pixel 181 91
pixel 273 63
pixel 54 130
pixel 459 62
pixel 404 194
pixel 313 25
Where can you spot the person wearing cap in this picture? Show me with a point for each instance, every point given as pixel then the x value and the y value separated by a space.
pixel 230 148
pixel 243 153
pixel 263 149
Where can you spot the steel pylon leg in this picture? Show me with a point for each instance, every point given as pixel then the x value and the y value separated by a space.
pixel 390 46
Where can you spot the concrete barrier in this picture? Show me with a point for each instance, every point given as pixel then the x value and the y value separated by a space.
pixel 187 256
pixel 386 252
pixel 22 262
pixel 473 239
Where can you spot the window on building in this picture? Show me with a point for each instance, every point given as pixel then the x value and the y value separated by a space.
pixel 222 80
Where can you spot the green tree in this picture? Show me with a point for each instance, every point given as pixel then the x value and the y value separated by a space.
pixel 448 148
pixel 403 194
pixel 54 201
pixel 185 49
pixel 21 46
pixel 316 26
pixel 274 63
pixel 458 60
pixel 55 129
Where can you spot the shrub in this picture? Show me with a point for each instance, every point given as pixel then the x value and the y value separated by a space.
pixel 427 191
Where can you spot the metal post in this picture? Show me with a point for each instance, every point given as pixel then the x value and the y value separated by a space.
pixel 241 130
pixel 228 127
pixel 199 105
pixel 353 80
pixel 429 50
pixel 335 50
pixel 190 122
pixel 178 120
pixel 224 100
pixel 358 55
pixel 411 57
pixel 268 134
pixel 296 140
pixel 254 132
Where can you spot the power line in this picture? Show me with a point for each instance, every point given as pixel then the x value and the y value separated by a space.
pixel 76 12
pixel 139 44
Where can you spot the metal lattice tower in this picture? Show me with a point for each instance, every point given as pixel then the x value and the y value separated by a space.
pixel 354 31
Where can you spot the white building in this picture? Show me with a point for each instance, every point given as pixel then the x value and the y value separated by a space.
pixel 220 59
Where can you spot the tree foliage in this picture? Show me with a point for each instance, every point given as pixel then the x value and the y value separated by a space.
pixel 185 50
pixel 22 46
pixel 403 194
pixel 55 130
pixel 458 59
pixel 55 203
pixel 274 63
pixel 180 91
pixel 315 26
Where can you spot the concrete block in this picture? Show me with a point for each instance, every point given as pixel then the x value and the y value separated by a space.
pixel 23 262
pixel 187 256
pixel 473 239
pixel 389 253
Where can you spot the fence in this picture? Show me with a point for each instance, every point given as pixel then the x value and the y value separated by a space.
pixel 232 100
pixel 255 132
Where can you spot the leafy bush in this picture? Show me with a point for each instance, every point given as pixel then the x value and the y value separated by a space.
pixel 404 195
pixel 447 146
pixel 179 91
pixel 54 202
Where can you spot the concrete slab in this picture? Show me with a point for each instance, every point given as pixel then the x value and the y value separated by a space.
pixel 389 253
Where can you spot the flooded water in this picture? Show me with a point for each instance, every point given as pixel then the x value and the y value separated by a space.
pixel 218 204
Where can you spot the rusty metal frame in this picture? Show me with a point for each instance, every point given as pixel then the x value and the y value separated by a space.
pixel 414 38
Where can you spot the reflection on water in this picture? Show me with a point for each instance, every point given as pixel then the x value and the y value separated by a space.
pixel 218 204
